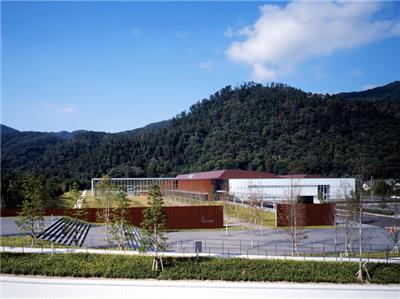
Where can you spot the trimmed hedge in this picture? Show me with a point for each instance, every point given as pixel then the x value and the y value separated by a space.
pixel 138 267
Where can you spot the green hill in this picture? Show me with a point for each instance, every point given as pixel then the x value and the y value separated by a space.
pixel 386 92
pixel 273 128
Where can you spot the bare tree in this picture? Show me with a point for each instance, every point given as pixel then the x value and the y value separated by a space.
pixel 349 216
pixel 294 216
pixel 153 226
pixel 226 212
pixel 394 236
pixel 106 192
pixel 256 214
pixel 253 216
pixel 119 217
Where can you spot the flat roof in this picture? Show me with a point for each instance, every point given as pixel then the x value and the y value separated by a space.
pixel 300 176
pixel 225 174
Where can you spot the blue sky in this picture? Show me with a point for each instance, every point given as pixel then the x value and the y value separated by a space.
pixel 115 66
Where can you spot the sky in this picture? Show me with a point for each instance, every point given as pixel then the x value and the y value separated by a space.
pixel 115 66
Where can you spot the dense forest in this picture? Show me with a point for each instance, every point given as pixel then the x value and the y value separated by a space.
pixel 273 128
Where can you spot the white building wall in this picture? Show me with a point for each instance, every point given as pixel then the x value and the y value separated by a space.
pixel 280 189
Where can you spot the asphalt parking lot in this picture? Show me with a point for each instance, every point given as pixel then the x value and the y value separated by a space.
pixel 240 241
pixel 380 221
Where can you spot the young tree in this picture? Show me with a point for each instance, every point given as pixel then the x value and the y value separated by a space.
pixel 253 216
pixel 394 236
pixel 256 213
pixel 359 194
pixel 295 217
pixel 349 215
pixel 30 218
pixel 225 199
pixel 119 219
pixel 106 193
pixel 359 199
pixel 153 225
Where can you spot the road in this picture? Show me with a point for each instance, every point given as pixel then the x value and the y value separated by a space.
pixel 28 287
pixel 380 221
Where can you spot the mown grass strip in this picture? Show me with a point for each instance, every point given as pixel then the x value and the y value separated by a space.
pixel 138 267
pixel 26 241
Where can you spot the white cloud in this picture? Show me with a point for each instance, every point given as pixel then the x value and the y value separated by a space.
pixel 260 73
pixel 320 72
pixel 52 107
pixel 67 109
pixel 284 36
pixel 182 34
pixel 207 65
pixel 229 32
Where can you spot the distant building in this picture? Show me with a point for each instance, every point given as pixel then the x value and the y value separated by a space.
pixel 306 189
pixel 212 182
pixel 241 184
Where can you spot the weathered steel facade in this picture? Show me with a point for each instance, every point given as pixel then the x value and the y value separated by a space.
pixel 307 214
pixel 182 217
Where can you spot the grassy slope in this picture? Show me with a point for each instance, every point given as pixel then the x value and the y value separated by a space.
pixel 245 214
pixel 137 267
pixel 25 241
pixel 66 201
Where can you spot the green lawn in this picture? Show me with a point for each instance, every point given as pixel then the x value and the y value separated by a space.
pixel 245 214
pixel 134 201
pixel 25 241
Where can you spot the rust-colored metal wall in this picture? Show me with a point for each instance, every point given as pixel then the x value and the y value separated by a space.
pixel 206 186
pixel 309 214
pixel 185 217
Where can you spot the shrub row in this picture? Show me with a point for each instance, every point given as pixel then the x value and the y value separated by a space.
pixel 138 267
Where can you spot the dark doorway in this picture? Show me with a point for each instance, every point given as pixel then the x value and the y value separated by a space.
pixel 306 199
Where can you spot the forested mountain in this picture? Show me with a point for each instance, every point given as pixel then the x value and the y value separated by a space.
pixel 386 92
pixel 7 130
pixel 274 128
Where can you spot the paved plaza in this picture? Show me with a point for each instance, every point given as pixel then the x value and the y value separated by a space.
pixel 239 240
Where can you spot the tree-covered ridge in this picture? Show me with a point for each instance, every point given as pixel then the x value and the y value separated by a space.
pixel 273 128
pixel 386 92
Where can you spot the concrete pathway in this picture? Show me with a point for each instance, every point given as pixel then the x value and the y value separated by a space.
pixel 33 287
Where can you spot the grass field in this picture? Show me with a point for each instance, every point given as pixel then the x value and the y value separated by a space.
pixel 65 201
pixel 245 214
pixel 25 241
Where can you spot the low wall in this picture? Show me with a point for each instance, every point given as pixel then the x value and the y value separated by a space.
pixel 308 214
pixel 185 217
